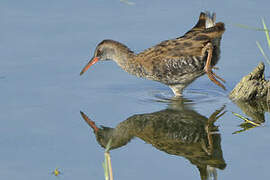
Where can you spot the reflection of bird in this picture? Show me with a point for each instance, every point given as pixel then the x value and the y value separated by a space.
pixel 176 62
pixel 183 133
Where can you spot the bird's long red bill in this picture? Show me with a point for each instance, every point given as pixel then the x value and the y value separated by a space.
pixel 89 64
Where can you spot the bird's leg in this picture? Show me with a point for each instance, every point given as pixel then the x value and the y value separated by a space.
pixel 177 89
pixel 208 69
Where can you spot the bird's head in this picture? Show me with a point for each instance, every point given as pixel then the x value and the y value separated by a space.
pixel 106 50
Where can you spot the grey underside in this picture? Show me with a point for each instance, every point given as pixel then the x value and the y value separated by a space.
pixel 179 73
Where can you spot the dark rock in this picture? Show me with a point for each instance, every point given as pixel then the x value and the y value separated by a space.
pixel 252 87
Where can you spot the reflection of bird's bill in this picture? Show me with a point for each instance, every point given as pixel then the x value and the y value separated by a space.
pixel 89 122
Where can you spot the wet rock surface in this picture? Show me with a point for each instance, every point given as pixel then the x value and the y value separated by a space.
pixel 252 94
pixel 252 87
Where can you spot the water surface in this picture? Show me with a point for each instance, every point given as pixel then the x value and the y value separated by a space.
pixel 45 45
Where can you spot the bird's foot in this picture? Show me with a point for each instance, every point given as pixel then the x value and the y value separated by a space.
pixel 211 129
pixel 212 76
pixel 208 68
pixel 216 115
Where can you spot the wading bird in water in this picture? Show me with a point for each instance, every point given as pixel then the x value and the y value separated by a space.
pixel 176 62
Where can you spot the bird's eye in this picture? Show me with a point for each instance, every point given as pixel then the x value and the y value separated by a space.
pixel 98 52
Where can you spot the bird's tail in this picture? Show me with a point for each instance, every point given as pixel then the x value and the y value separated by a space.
pixel 206 20
pixel 207 24
pixel 213 29
pixel 210 19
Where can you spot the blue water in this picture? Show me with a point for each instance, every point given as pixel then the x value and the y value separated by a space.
pixel 45 44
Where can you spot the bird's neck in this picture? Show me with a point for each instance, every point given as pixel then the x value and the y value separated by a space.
pixel 126 59
pixel 119 53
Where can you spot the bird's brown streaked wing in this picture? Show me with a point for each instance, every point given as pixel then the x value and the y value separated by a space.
pixel 184 47
pixel 177 64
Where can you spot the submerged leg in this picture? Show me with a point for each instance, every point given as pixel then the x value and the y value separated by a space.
pixel 177 89
pixel 208 69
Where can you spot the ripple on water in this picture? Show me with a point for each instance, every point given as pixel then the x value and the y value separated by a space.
pixel 145 93
pixel 190 96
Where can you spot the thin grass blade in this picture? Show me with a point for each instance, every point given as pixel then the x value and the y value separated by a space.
pixel 243 130
pixel 108 158
pixel 127 2
pixel 246 119
pixel 252 28
pixel 262 51
pixel 266 33
pixel 108 146
pixel 105 167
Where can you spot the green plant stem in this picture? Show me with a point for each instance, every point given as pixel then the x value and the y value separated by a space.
pixel 266 33
pixel 263 53
pixel 108 158
pixel 246 119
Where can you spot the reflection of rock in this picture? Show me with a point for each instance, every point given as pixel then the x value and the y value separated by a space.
pixel 178 132
pixel 255 109
pixel 252 87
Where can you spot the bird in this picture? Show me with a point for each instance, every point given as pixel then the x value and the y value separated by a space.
pixel 176 62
